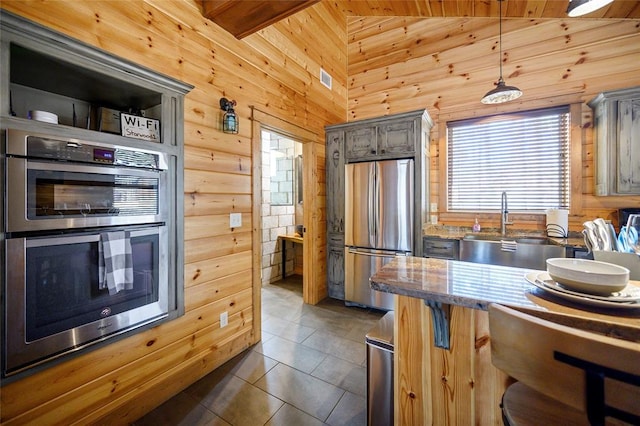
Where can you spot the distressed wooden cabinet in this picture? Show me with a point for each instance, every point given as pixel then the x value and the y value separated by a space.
pixel 335 269
pixel 441 248
pixel 380 140
pixel 404 135
pixel 617 141
pixel 41 69
pixel 361 142
pixel 335 169
pixel 335 213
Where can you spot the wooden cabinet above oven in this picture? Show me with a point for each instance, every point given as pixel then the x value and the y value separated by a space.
pixel 53 73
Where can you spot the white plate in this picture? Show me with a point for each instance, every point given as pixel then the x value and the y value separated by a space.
pixel 538 279
pixel 630 293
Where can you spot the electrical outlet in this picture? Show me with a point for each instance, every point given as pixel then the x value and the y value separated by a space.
pixel 224 319
pixel 434 207
pixel 235 220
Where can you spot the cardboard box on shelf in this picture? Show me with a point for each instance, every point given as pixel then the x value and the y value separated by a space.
pixel 109 120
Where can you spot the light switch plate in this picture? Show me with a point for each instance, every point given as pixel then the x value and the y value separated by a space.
pixel 235 220
pixel 224 319
pixel 434 207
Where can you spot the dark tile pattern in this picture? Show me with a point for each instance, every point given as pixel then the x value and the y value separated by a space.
pixel 308 369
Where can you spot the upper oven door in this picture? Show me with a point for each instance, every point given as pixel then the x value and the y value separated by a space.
pixel 48 195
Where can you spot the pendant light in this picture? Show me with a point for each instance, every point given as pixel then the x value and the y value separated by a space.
pixel 582 7
pixel 502 92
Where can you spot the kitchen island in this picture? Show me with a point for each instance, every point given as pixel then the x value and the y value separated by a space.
pixel 443 370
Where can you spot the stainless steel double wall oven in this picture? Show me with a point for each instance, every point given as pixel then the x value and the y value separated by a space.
pixel 64 199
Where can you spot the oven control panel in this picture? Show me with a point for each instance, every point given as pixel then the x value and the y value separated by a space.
pixel 85 153
pixel 69 151
pixel 61 149
pixel 102 155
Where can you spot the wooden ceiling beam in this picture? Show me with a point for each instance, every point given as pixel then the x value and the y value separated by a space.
pixel 242 18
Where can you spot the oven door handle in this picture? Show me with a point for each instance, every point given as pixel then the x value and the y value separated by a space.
pixel 78 239
pixel 77 168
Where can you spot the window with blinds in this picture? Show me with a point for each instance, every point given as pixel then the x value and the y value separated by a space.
pixel 525 154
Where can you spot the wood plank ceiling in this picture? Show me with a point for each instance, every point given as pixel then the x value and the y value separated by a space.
pixel 619 9
pixel 242 18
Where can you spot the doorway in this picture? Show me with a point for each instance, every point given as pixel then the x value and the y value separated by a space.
pixel 282 207
pixel 314 287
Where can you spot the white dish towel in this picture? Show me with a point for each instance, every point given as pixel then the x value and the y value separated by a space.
pixel 115 263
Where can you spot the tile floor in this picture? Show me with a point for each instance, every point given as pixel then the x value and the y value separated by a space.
pixel 309 369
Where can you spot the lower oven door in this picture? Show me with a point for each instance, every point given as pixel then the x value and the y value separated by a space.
pixel 55 303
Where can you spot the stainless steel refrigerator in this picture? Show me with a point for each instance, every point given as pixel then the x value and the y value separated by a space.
pixel 379 199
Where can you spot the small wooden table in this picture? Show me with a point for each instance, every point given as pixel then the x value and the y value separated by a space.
pixel 294 239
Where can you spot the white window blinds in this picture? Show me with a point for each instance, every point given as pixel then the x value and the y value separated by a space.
pixel 525 154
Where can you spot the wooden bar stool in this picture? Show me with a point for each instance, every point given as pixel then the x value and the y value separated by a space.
pixel 566 376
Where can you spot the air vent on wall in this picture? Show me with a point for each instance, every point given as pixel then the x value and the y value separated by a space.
pixel 325 78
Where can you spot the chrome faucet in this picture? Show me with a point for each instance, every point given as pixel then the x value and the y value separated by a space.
pixel 504 215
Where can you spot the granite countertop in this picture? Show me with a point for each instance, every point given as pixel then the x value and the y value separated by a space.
pixel 575 239
pixel 472 285
pixel 475 285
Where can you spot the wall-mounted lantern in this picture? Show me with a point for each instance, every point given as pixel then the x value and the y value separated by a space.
pixel 229 119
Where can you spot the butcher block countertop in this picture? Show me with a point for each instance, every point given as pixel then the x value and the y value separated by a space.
pixel 473 285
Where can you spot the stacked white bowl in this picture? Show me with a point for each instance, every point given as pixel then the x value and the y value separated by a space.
pixel 47 117
pixel 588 276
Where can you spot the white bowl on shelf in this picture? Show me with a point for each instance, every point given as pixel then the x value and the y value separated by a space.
pixel 47 117
pixel 588 276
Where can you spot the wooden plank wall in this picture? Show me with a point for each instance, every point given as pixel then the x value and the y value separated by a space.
pixel 276 70
pixel 446 65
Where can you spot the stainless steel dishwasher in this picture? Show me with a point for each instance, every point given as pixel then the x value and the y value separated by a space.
pixel 379 342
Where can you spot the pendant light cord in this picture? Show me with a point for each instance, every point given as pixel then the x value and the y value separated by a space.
pixel 501 93
pixel 500 37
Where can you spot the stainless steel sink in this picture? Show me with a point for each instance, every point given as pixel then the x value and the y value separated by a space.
pixel 520 251
pixel 529 239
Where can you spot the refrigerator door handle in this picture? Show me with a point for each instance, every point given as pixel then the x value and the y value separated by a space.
pixel 376 254
pixel 376 201
pixel 372 198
